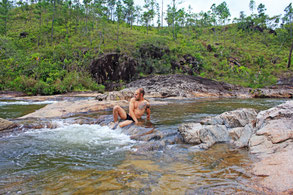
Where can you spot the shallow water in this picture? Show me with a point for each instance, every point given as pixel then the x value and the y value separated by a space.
pixel 88 159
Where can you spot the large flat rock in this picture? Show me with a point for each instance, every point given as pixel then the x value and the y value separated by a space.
pixel 66 108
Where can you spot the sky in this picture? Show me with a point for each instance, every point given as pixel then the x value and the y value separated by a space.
pixel 274 7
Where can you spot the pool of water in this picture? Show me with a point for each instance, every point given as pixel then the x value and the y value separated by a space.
pixel 90 159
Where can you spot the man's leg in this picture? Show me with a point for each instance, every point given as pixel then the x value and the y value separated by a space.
pixel 118 111
pixel 125 123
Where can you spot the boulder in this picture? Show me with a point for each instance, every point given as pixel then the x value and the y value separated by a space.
pixel 273 144
pixel 5 124
pixel 234 126
pixel 203 135
pixel 187 86
pixel 233 119
pixel 240 136
pixel 274 130
pixel 101 97
pixel 111 68
pixel 125 94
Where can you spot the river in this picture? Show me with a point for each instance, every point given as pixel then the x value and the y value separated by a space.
pixel 92 159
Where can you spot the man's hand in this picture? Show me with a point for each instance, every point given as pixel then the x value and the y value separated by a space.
pixel 148 111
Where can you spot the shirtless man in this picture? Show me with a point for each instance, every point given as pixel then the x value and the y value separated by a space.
pixel 137 106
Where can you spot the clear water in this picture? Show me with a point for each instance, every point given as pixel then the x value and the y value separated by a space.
pixel 90 159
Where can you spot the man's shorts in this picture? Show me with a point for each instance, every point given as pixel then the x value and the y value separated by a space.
pixel 129 117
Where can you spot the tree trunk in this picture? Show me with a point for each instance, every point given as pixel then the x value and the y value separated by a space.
pixel 131 21
pixel 162 13
pixel 173 18
pixel 52 31
pixel 40 26
pixel 86 10
pixel 5 25
pixel 100 42
pixel 117 31
pixel 289 59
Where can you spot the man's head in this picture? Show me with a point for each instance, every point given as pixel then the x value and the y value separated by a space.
pixel 139 93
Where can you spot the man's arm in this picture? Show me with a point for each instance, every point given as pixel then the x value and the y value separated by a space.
pixel 131 110
pixel 148 111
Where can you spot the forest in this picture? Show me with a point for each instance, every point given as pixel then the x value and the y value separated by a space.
pixel 58 46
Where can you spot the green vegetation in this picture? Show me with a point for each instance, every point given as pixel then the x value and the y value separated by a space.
pixel 47 47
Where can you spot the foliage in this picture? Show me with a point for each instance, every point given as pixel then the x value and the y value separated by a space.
pixel 47 47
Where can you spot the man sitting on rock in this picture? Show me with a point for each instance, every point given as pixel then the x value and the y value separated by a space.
pixel 137 107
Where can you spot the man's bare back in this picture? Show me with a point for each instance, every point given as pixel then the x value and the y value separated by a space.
pixel 137 107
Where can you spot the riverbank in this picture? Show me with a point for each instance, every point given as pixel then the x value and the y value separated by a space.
pixel 160 86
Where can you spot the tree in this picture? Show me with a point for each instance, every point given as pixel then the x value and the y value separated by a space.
pixel 137 13
pixel 149 13
pixel 288 21
pixel 171 17
pixel 53 19
pixel 180 17
pixel 129 11
pixel 87 10
pixel 173 14
pixel 252 6
pixel 262 17
pixel 189 17
pixel 159 15
pixel 223 13
pixel 77 12
pixel 119 15
pixel 39 12
pixel 111 4
pixel 5 6
pixel 162 14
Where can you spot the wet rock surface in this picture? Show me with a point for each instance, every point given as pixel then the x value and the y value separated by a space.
pixel 152 139
pixel 268 134
pixel 5 124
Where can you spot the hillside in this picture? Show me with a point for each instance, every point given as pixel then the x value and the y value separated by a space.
pixel 83 52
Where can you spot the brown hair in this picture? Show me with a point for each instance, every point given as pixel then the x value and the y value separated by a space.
pixel 141 90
